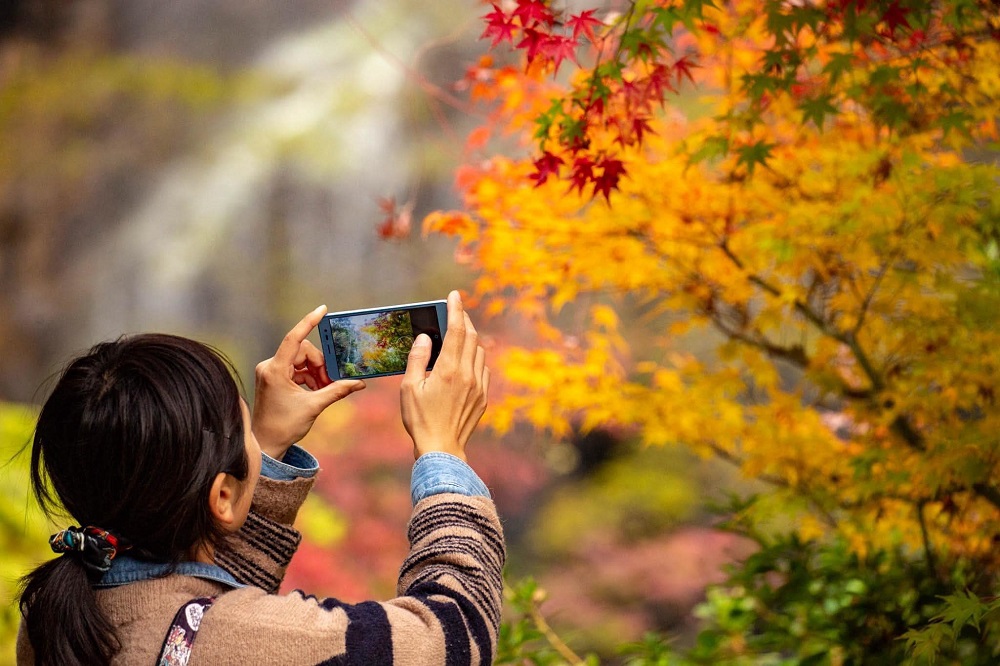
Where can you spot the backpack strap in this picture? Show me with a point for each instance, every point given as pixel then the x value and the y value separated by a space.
pixel 183 630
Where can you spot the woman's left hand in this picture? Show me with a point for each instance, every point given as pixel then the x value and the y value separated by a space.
pixel 292 389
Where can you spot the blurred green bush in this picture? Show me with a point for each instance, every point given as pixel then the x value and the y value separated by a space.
pixel 798 602
pixel 24 530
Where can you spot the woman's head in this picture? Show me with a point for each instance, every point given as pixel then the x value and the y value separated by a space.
pixel 133 437
pixel 146 437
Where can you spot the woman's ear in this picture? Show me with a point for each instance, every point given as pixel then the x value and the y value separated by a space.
pixel 222 499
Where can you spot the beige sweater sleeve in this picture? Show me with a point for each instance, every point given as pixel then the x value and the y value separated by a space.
pixel 260 552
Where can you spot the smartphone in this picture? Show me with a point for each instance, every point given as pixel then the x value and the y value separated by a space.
pixel 375 342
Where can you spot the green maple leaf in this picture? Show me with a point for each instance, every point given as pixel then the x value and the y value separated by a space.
pixel 925 644
pixel 665 18
pixel 839 63
pixel 756 85
pixel 693 10
pixel 806 16
pixel 958 121
pixel 753 154
pixel 641 44
pixel 714 146
pixel 962 609
pixel 697 7
pixel 817 109
pixel 779 22
pixel 890 110
pixel 544 122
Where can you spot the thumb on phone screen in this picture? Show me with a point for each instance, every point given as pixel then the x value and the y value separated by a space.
pixel 418 358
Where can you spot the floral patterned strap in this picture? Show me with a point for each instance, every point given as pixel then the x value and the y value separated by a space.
pixel 177 645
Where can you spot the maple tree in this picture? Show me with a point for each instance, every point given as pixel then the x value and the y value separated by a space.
pixel 795 203
pixel 392 335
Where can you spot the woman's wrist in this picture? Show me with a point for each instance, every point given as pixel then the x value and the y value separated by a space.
pixel 426 446
pixel 272 446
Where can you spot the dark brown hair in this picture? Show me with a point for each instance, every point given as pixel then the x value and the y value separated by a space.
pixel 130 440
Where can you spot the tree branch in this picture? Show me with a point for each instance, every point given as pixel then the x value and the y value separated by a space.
pixel 866 303
pixel 776 481
pixel 802 308
pixel 925 534
pixel 989 493
pixel 795 354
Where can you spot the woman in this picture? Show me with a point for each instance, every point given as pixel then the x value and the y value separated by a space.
pixel 187 503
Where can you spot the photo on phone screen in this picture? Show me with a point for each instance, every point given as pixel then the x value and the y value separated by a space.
pixel 376 342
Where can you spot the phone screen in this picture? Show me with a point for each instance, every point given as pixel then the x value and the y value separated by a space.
pixel 374 343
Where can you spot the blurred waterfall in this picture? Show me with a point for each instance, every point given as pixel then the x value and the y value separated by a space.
pixel 277 211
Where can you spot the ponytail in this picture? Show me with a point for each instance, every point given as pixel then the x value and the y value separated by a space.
pixel 65 625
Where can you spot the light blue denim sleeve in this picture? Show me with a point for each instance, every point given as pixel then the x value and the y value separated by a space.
pixel 435 473
pixel 297 464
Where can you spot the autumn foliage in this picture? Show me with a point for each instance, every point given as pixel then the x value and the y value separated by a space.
pixel 793 207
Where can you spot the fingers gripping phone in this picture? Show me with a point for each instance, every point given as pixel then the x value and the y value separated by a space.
pixel 358 344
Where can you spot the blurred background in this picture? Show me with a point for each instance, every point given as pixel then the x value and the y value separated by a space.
pixel 216 169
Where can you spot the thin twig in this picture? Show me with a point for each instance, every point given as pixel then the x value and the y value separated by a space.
pixel 421 80
pixel 553 638
pixel 776 481
pixel 866 304
pixel 795 354
pixel 925 534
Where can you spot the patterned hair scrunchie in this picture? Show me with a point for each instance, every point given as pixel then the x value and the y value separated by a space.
pixel 95 547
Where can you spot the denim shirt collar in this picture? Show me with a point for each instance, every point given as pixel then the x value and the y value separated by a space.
pixel 125 570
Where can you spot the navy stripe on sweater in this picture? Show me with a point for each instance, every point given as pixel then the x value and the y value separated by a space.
pixel 276 541
pixel 369 634
pixel 432 574
pixel 246 571
pixel 458 516
pixel 457 650
pixel 477 625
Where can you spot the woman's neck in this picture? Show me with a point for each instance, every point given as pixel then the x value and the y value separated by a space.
pixel 203 552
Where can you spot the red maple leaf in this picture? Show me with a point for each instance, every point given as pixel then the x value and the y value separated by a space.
pixel 917 37
pixel 595 105
pixel 583 173
pixel 860 5
pixel 611 172
pixel 398 219
pixel 631 92
pixel 658 82
pixel 640 127
pixel 683 68
pixel 533 42
pixel 533 12
pixel 557 48
pixel 584 22
pixel 895 17
pixel 545 166
pixel 499 26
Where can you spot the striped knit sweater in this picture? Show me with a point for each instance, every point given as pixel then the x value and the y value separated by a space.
pixel 447 611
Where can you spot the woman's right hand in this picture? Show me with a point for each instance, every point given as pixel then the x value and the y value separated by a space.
pixel 293 389
pixel 442 408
